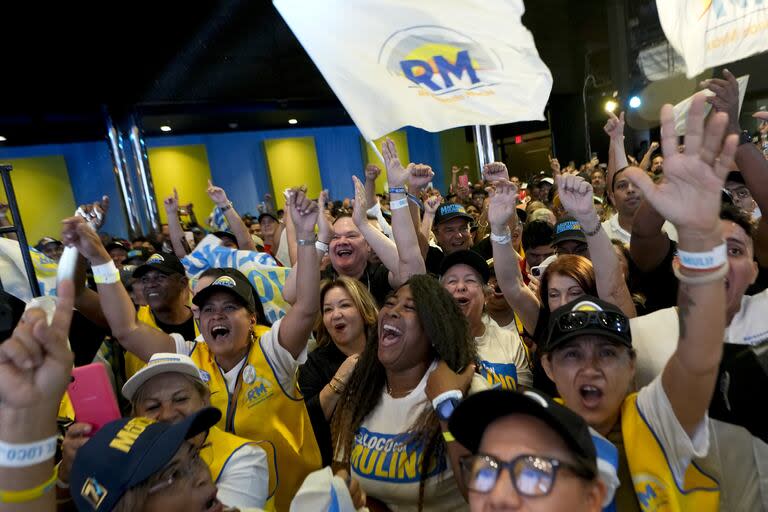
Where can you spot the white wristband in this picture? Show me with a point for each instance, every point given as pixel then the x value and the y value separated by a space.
pixel 398 203
pixel 106 273
pixel 502 239
pixel 709 260
pixel 453 393
pixel 27 454
pixel 321 246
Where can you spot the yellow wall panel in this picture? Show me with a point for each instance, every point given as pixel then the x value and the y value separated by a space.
pixel 401 143
pixel 187 169
pixel 292 162
pixel 44 195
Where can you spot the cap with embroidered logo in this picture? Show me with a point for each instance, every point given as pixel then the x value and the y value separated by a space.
pixel 127 452
pixel 568 228
pixel 164 262
pixel 232 281
pixel 450 211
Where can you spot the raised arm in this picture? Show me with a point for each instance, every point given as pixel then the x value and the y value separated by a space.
pixel 430 208
pixel 176 233
pixel 384 248
pixel 645 163
pixel 35 368
pixel 135 336
pixel 297 324
pixel 236 224
pixel 690 198
pixel 576 195
pixel 617 155
pixel 749 160
pixel 411 260
pixel 506 261
pixel 371 173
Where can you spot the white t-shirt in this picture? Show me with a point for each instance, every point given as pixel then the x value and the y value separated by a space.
pixel 615 231
pixel 502 356
pixel 390 474
pixel 282 362
pixel 655 336
pixel 244 481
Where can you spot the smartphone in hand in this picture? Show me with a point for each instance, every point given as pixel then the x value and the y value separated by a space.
pixel 92 396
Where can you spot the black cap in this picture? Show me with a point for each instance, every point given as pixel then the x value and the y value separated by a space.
pixel 568 229
pixel 604 320
pixel 735 177
pixel 268 214
pixel 474 414
pixel 450 211
pixel 225 234
pixel 164 262
pixel 232 281
pixel 125 453
pixel 470 258
pixel 114 244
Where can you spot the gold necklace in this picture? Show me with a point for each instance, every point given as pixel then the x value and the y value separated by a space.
pixel 406 393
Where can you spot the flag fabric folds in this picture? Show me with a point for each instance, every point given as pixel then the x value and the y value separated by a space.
pixel 432 64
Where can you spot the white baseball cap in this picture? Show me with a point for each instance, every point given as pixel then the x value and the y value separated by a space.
pixel 162 362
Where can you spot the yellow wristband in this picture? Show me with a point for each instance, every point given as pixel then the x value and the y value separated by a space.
pixel 30 494
pixel 448 437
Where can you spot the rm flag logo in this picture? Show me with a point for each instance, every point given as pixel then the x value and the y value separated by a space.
pixel 431 64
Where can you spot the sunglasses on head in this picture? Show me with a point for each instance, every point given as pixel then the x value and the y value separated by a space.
pixel 575 320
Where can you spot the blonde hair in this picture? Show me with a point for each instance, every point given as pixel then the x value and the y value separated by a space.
pixel 361 298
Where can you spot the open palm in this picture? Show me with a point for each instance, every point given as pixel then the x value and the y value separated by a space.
pixel 690 193
pixel 397 175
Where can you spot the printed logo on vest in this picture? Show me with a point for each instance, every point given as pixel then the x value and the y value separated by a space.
pixel 504 374
pixel 651 493
pixel 390 458
pixel 258 391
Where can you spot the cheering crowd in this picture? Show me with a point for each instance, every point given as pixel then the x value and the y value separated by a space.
pixel 573 340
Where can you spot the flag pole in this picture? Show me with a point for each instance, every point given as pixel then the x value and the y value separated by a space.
pixel 377 152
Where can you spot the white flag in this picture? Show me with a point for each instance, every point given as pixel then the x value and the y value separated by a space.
pixel 708 33
pixel 680 110
pixel 433 64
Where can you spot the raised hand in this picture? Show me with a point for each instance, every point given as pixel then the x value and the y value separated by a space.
pixel 432 204
pixel 304 213
pixel 726 98
pixel 495 171
pixel 455 169
pixel 372 172
pixel 689 196
pixel 554 164
pixel 217 194
pixel 614 127
pixel 361 206
pixel 397 175
pixel 35 362
pixel 76 232
pixel 324 230
pixel 420 175
pixel 171 204
pixel 654 146
pixel 576 195
pixel 94 213
pixel 502 198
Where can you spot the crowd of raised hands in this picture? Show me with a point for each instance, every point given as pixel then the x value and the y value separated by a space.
pixel 383 243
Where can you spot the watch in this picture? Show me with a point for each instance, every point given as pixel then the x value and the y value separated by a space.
pixel 445 403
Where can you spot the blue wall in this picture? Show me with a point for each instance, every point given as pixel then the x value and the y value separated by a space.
pixel 237 163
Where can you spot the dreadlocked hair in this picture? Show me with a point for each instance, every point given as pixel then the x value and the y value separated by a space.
pixel 447 332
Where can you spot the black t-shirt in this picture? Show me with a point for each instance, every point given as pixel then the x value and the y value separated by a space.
pixel 433 260
pixel 322 364
pixel 186 329
pixel 484 248
pixel 659 286
pixel 375 278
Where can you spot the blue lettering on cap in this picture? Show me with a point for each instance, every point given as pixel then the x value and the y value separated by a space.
pixel 569 225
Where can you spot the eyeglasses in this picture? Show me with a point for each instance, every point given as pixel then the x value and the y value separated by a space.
pixel 532 476
pixel 575 320
pixel 179 471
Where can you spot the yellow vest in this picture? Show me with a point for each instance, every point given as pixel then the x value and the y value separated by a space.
pixel 652 477
pixel 261 411
pixel 132 362
pixel 219 448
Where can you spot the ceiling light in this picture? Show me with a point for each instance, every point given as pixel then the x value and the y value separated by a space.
pixel 2 139
pixel 292 121
pixel 635 102
pixel 233 125
pixel 610 106
pixel 165 128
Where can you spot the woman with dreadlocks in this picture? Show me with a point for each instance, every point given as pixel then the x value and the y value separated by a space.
pixel 386 428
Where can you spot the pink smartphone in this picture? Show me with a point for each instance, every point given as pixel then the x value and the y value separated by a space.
pixel 92 396
pixel 463 180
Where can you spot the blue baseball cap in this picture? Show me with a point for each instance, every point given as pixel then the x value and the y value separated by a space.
pixel 450 211
pixel 125 453
pixel 568 229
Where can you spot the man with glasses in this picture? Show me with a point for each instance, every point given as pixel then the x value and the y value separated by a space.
pixel 528 453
